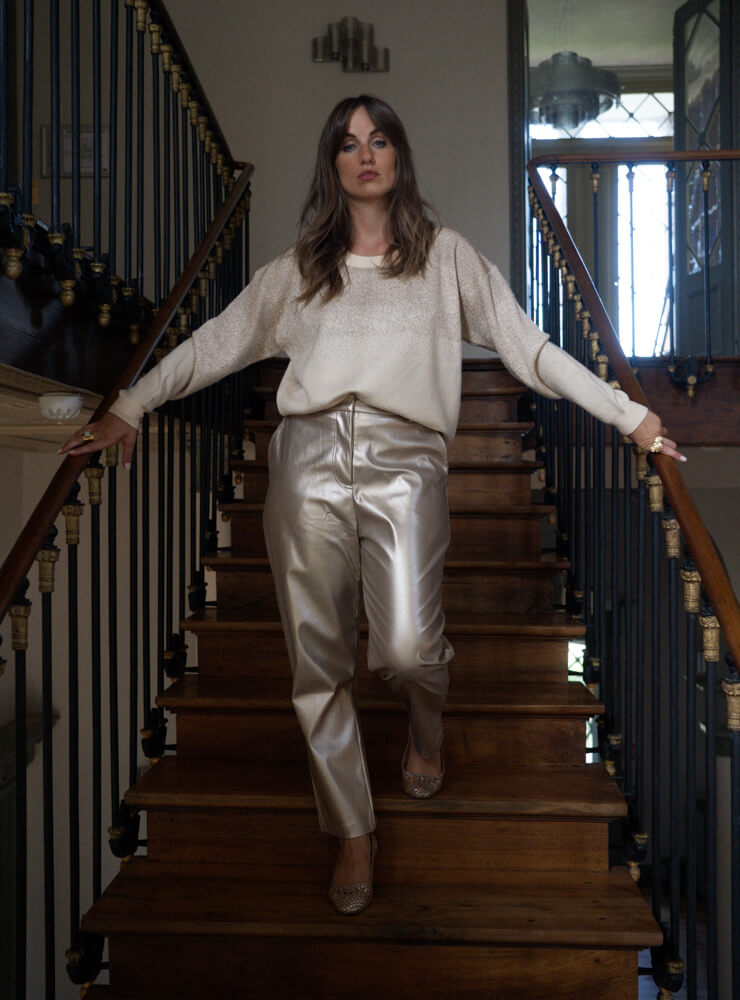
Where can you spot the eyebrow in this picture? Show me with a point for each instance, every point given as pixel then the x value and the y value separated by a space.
pixel 351 135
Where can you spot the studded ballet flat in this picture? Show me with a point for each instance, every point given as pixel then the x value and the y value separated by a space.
pixel 352 899
pixel 420 786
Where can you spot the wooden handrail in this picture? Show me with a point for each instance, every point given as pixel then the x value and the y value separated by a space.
pixel 702 548
pixel 28 543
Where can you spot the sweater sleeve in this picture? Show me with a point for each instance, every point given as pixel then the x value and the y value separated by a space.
pixel 493 318
pixel 244 332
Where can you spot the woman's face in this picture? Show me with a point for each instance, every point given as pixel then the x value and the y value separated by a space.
pixel 366 161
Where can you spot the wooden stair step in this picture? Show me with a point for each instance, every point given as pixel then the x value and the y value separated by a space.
pixel 513 532
pixel 512 647
pixel 477 487
pixel 546 624
pixel 514 723
pixel 584 791
pixel 489 699
pixel 601 909
pixel 468 585
pixel 208 811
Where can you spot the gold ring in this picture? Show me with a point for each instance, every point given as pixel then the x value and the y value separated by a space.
pixel 87 436
pixel 657 444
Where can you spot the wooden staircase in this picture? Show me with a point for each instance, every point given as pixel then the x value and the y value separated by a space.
pixel 499 887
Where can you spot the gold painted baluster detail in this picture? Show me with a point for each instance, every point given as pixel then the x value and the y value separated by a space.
pixel 655 488
pixel 46 558
pixel 710 635
pixel 672 537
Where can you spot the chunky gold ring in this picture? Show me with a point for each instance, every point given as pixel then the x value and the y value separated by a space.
pixel 657 444
pixel 87 436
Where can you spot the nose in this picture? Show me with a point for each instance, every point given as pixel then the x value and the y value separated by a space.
pixel 367 154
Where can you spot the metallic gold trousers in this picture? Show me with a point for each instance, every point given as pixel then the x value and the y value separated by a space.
pixel 358 498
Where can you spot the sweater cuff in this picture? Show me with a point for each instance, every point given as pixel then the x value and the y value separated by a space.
pixel 126 409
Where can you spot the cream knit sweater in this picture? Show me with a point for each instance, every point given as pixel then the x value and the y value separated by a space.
pixel 393 342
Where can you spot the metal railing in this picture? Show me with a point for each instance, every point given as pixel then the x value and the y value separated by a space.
pixel 156 242
pixel 643 655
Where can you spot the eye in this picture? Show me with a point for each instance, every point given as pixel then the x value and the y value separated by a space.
pixel 348 147
pixel 380 143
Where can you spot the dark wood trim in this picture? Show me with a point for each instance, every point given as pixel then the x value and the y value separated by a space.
pixel 694 530
pixel 29 541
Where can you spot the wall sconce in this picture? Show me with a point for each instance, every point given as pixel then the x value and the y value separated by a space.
pixel 351 42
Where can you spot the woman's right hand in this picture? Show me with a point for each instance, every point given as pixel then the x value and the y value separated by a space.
pixel 107 431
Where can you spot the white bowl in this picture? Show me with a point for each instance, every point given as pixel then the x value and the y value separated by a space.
pixel 60 406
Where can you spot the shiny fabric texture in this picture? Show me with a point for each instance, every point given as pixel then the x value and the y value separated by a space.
pixel 357 502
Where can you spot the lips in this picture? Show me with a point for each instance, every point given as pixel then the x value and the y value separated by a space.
pixel 369 175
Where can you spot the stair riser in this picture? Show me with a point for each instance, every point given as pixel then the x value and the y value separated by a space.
pixel 495 592
pixel 504 658
pixel 471 537
pixel 194 966
pixel 477 490
pixel 411 845
pixel 467 447
pixel 248 735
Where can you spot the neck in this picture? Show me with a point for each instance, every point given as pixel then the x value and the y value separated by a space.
pixel 369 228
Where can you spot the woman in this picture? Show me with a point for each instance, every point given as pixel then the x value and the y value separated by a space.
pixel 371 306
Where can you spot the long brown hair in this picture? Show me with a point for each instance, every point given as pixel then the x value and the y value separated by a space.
pixel 325 229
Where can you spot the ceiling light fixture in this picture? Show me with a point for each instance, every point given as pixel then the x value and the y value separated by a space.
pixel 566 90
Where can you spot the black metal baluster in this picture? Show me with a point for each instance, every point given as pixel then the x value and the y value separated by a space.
pixel 140 29
pixel 134 618
pixel 692 588
pixel 28 118
pixel 731 686
pixel 182 513
pixel 629 688
pixel 146 632
pixel 185 206
pixel 156 164
pixel 47 556
pixel 19 613
pixel 74 69
pixel 170 525
pixel 616 666
pixel 129 153
pixel 72 511
pixel 94 474
pixel 179 261
pixel 111 461
pixel 710 628
pixel 56 131
pixel 641 675
pixel 97 136
pixel 113 140
pixel 673 552
pixel 166 50
pixel 656 509
pixel 161 570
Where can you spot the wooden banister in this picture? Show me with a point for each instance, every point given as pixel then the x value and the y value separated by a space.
pixel 21 556
pixel 702 548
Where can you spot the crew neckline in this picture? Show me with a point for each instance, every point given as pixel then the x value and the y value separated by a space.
pixel 357 260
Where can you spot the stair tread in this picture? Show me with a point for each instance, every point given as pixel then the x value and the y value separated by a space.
pixel 224 559
pixel 490 789
pixel 518 907
pixel 532 624
pixel 550 698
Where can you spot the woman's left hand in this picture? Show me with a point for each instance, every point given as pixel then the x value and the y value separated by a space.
pixel 645 433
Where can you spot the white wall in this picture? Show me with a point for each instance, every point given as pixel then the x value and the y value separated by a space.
pixel 447 81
